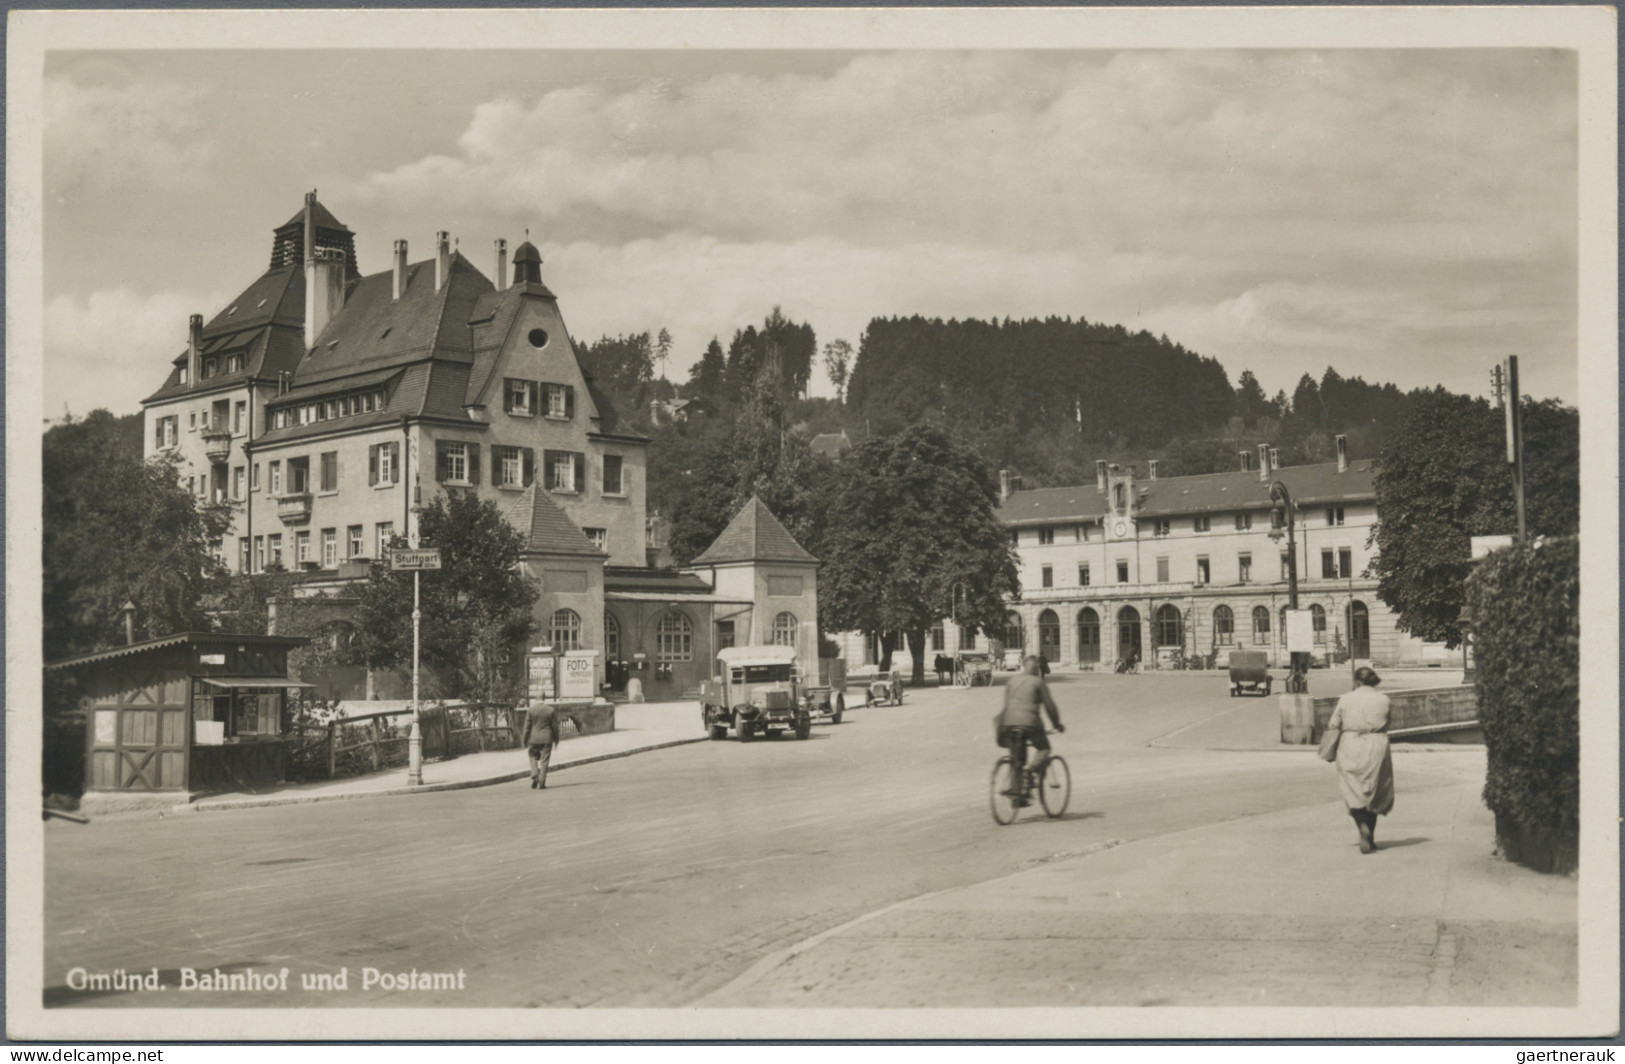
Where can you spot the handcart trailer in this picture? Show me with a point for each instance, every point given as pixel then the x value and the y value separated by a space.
pixel 1249 671
pixel 826 699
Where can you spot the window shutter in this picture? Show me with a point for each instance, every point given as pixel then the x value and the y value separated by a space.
pixel 533 391
pixel 440 464
pixel 569 401
pixel 372 465
pixel 528 458
pixel 548 476
pixel 507 397
pixel 581 473
pixel 394 463
pixel 473 463
pixel 497 455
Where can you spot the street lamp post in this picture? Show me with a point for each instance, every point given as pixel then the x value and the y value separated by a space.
pixel 1281 499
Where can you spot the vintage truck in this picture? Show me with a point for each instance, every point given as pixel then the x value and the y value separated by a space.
pixel 757 691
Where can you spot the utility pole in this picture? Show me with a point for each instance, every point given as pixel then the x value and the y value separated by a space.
pixel 1514 418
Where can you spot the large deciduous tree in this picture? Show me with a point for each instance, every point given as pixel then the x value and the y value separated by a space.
pixel 912 526
pixel 1443 478
pixel 118 529
pixel 475 608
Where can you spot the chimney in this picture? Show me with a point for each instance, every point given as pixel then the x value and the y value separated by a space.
pixel 501 279
pixel 1342 453
pixel 1263 461
pixel 442 259
pixel 194 345
pixel 400 268
pixel 324 291
pixel 1004 485
pixel 1246 461
pixel 1275 460
pixel 310 227
pixel 1100 476
pixel 1152 466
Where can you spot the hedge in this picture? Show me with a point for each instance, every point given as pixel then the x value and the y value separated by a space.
pixel 1525 604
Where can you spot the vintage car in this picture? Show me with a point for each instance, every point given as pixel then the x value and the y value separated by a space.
pixel 1249 670
pixel 756 692
pixel 973 668
pixel 885 691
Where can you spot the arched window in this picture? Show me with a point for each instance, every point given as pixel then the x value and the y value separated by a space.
pixel 1015 638
pixel 1049 636
pixel 1088 636
pixel 785 628
pixel 1261 625
pixel 674 638
pixel 1359 622
pixel 1128 632
pixel 1170 626
pixel 564 630
pixel 1224 625
pixel 1317 615
pixel 612 637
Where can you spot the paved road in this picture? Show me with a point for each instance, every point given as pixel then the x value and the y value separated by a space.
pixel 649 881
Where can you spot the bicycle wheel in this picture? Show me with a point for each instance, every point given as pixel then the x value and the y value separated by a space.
pixel 1004 805
pixel 1055 789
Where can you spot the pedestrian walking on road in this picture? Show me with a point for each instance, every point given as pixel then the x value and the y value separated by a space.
pixel 1365 767
pixel 539 734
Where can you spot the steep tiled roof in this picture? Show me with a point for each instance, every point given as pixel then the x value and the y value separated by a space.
pixel 546 528
pixel 609 419
pixel 373 329
pixel 320 215
pixel 1309 485
pixel 265 322
pixel 754 535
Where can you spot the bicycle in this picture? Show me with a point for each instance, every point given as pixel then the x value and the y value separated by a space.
pixel 1053 783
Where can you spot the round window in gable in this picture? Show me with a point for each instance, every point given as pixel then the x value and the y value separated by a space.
pixel 538 338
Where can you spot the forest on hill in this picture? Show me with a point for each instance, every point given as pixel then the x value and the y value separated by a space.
pixel 1043 398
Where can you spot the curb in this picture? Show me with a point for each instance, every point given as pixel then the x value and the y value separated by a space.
pixel 427 788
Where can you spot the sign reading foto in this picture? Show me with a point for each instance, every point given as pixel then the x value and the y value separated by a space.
pixel 415 559
pixel 579 673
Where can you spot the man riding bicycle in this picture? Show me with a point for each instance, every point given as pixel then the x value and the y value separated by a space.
pixel 1020 724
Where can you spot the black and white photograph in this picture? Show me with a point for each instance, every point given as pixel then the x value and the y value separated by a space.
pixel 808 524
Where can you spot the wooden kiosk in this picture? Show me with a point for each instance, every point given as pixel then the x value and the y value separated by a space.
pixel 191 712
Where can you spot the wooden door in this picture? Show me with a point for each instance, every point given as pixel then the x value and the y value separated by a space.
pixel 138 738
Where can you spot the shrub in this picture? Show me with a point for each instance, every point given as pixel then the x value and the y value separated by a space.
pixel 1525 604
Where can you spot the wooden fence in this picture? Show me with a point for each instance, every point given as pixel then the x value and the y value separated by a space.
pixel 371 742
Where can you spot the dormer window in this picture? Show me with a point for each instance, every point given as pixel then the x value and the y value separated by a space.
pixel 559 401
pixel 234 363
pixel 210 368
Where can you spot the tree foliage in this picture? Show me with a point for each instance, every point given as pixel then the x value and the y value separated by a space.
pixel 891 560
pixel 115 529
pixel 1443 478
pixel 1527 653
pixel 475 609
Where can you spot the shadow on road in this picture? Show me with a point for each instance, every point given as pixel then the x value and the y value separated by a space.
pixel 1060 819
pixel 1396 843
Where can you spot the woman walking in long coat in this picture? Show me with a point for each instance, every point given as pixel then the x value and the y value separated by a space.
pixel 1365 768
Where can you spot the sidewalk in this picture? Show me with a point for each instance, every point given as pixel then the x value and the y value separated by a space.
pixel 1273 910
pixel 638 728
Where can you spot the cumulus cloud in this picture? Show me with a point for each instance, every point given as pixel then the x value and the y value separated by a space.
pixel 112 348
pixel 105 136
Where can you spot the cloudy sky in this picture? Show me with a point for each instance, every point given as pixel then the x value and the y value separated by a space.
pixel 1403 215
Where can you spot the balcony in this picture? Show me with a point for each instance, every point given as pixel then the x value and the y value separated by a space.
pixel 294 509
pixel 216 444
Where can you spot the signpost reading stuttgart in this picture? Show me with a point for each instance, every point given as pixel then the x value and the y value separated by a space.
pixel 415 559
